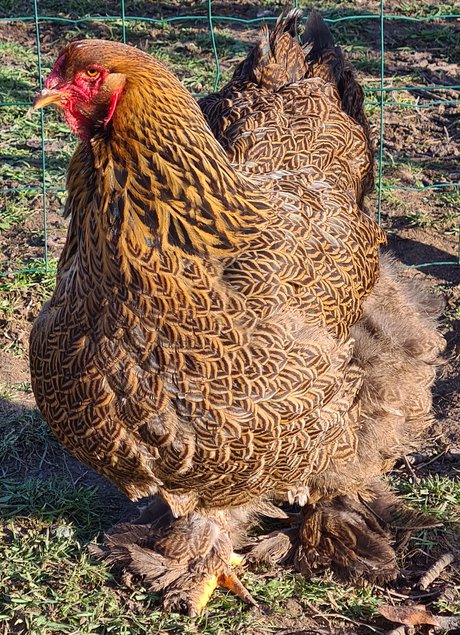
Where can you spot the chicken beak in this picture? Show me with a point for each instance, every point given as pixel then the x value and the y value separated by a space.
pixel 48 96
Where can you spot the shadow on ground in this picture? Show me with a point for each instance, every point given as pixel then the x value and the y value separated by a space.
pixel 40 479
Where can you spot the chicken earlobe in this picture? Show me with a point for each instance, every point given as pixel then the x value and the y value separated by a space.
pixel 110 94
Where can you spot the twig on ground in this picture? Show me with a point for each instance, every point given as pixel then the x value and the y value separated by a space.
pixel 391 593
pixel 433 459
pixel 435 570
pixel 411 469
pixel 338 616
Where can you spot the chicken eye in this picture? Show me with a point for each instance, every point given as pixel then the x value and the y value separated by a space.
pixel 92 72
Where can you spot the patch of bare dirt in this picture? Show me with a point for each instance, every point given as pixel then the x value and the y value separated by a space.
pixel 14 370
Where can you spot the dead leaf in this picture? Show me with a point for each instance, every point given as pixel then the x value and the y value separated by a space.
pixel 408 615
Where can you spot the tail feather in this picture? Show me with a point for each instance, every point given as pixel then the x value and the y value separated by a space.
pixel 281 58
pixel 326 60
pixel 317 34
pixel 278 59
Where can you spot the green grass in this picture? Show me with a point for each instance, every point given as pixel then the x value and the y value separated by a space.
pixel 12 214
pixel 25 439
pixel 435 210
pixel 19 294
pixel 33 279
pixel 438 495
pixel 18 72
pixel 49 583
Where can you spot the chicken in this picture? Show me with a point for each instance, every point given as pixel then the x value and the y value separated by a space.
pixel 223 337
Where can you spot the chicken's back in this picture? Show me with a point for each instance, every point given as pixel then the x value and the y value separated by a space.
pixel 296 106
pixel 292 120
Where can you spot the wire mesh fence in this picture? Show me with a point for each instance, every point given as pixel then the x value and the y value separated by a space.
pixel 379 96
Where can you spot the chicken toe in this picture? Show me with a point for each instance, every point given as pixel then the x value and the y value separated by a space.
pixel 186 560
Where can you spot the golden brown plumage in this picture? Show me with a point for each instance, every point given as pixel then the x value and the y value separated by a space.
pixel 198 343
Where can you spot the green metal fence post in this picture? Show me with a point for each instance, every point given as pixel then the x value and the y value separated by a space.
pixel 123 22
pixel 213 45
pixel 382 111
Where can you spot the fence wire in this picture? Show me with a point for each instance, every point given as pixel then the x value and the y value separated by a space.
pixel 381 92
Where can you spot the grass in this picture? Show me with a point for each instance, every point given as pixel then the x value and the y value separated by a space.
pixel 438 495
pixel 49 584
pixel 25 441
pixel 432 209
pixel 19 294
pixel 13 214
pixel 34 278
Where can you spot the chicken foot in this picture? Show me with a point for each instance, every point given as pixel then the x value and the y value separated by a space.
pixel 346 536
pixel 184 558
pixel 342 534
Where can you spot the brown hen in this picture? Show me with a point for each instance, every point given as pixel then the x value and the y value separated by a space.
pixel 209 339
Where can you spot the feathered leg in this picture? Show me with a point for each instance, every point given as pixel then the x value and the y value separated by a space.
pixel 342 534
pixel 185 558
pixel 398 348
pixel 345 536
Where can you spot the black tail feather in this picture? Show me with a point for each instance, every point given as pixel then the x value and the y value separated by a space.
pixel 317 34
pixel 324 58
